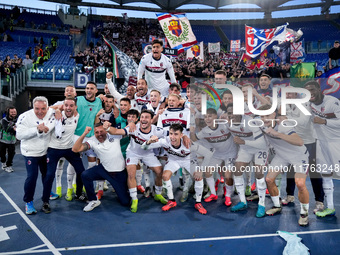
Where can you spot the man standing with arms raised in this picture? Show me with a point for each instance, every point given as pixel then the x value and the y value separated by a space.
pixel 154 65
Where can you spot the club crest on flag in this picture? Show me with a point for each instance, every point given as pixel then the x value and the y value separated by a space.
pixel 175 27
pixel 195 50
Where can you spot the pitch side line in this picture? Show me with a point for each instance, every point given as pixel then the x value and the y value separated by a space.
pixel 171 242
pixel 30 223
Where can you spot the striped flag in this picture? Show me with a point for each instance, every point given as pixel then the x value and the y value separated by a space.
pixel 114 58
pixel 177 30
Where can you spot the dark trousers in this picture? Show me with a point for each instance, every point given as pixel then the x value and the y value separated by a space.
pixel 53 156
pixel 33 165
pixel 118 181
pixel 10 150
pixel 315 177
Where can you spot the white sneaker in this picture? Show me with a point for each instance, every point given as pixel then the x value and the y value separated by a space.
pixel 3 166
pixel 9 169
pixel 319 207
pixel 91 205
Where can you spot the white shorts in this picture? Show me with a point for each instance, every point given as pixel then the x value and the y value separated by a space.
pixel 149 159
pixel 173 165
pixel 247 154
pixel 328 157
pixel 90 153
pixel 300 163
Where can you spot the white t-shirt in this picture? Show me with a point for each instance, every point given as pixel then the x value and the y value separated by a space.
pixel 69 125
pixel 109 152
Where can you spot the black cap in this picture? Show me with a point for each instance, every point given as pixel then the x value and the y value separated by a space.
pixel 336 42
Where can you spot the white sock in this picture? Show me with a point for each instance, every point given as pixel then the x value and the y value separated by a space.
pixel 211 184
pixel 70 175
pixel 229 189
pixel 248 178
pixel 168 186
pixel 147 177
pixel 304 208
pixel 158 190
pixel 139 174
pixel 100 185
pixel 239 184
pixel 59 172
pixel 261 190
pixel 187 180
pixel 91 164
pixel 276 201
pixel 278 183
pixel 74 178
pixel 328 188
pixel 133 193
pixel 199 190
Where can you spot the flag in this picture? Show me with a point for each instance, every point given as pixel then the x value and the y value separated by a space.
pixel 124 66
pixel 196 51
pixel 214 47
pixel 257 40
pixel 301 73
pixel 292 36
pixel 114 58
pixel 251 63
pixel 297 53
pixel 177 30
pixel 330 82
pixel 235 45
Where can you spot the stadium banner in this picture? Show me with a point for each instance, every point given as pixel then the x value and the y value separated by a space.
pixel 164 40
pixel 302 72
pixel 251 63
pixel 147 48
pixel 235 45
pixel 214 47
pixel 196 51
pixel 177 30
pixel 330 82
pixel 115 35
pixel 297 53
pixel 170 52
pixel 114 58
pixel 257 40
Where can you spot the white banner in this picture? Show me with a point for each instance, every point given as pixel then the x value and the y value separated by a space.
pixel 214 47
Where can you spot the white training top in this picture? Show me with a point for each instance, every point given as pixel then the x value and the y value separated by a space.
pixel 32 143
pixel 66 140
pixel 155 72
pixel 109 153
pixel 329 109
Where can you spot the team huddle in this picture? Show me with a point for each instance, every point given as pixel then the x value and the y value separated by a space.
pixel 154 127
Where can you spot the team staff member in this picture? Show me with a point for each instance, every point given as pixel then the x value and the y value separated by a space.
pixel 33 128
pixel 111 167
pixel 7 139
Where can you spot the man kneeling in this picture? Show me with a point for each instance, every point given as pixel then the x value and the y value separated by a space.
pixel 112 164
